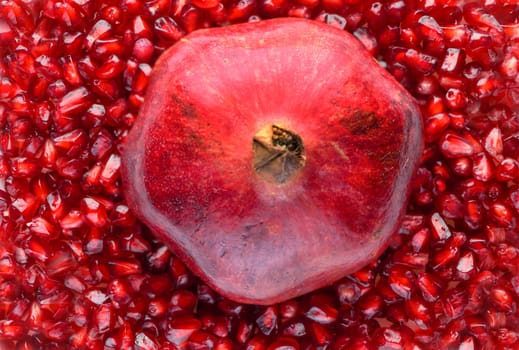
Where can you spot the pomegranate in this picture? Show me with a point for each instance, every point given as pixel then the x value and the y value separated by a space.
pixel 273 157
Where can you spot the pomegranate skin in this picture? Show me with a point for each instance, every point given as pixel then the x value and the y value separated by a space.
pixel 188 170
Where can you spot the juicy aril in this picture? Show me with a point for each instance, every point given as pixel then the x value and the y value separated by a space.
pixel 273 157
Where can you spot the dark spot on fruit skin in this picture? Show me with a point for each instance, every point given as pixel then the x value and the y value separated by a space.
pixel 187 109
pixel 360 123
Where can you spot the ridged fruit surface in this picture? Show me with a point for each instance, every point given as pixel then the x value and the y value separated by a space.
pixel 273 157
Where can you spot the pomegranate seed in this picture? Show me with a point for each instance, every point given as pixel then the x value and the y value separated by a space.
pixel 61 262
pixel 439 228
pixel 401 282
pixel 125 267
pixel 502 300
pixel 453 303
pixel 143 50
pixel 430 287
pixel 101 29
pixel 370 305
pixel 182 302
pixel 74 102
pixel 110 68
pixel 420 62
pixel 167 29
pixel 180 329
pixel 104 318
pixel 12 330
pixel 501 215
pixel 453 146
pixel 477 16
pixel 157 307
pixel 267 321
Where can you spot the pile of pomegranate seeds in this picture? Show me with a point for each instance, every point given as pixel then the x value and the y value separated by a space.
pixel 77 270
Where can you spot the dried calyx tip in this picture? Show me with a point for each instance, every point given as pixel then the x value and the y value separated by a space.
pixel 278 154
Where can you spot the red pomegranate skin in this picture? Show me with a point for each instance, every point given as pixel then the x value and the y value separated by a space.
pixel 188 161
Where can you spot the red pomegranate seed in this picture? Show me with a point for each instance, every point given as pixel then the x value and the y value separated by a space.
pixel 180 329
pixel 167 29
pixel 59 263
pixel 454 146
pixel 509 67
pixel 157 307
pixel 104 318
pixel 110 68
pixel 502 300
pixel 348 291
pixel 390 338
pixel 321 312
pixel 124 267
pixel 420 62
pixel 182 302
pixel 322 336
pixel 439 227
pixel 482 167
pixel 501 214
pixel 143 50
pixel 76 101
pixel 267 321
pixel 101 29
pixel 94 212
pixel 401 282
pixel 283 343
pixel 430 287
pixel 429 29
pixel 141 78
pixel 6 32
pixel 454 302
pixel 370 305
pixel 477 16
pixel 12 330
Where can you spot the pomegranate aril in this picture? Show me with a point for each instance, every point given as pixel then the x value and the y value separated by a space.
pixel 420 62
pixel 167 29
pixel 367 39
pixel 183 278
pixel 99 30
pixel 370 305
pixel 124 267
pixel 501 214
pixel 104 318
pixel 390 338
pixel 454 146
pixel 401 281
pixel 241 10
pixel 157 307
pixel 182 302
pixel 180 329
pixel 430 287
pixel 453 303
pixel 12 330
pixel 74 102
pixel 202 340
pixel 502 300
pixel 348 291
pixel 509 67
pixel 143 50
pixel 110 68
pixel 322 336
pixel 267 321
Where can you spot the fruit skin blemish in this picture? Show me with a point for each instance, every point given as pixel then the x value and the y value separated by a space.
pixel 272 157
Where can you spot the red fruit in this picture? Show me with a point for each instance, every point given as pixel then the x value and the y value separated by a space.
pixel 269 167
